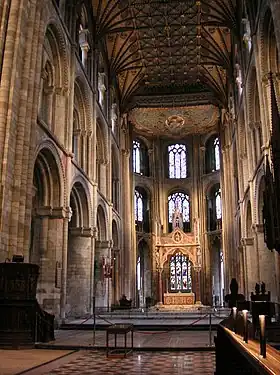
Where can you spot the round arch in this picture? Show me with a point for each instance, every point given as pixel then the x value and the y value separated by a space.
pixel 56 41
pixel 47 179
pixel 101 223
pixel 80 207
pixel 115 235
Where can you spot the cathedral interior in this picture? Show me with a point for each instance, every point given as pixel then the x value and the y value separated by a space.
pixel 138 143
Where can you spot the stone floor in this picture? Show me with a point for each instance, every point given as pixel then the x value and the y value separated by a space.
pixel 15 361
pixel 150 363
pixel 72 339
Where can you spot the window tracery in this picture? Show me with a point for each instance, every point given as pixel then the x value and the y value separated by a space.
pixel 136 157
pixel 180 273
pixel 138 206
pixel 177 161
pixel 179 202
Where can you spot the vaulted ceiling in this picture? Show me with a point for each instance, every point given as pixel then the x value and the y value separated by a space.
pixel 168 52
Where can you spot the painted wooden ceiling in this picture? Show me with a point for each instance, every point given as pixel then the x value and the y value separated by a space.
pixel 167 46
pixel 168 52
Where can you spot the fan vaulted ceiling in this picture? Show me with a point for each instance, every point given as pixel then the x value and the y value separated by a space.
pixel 168 52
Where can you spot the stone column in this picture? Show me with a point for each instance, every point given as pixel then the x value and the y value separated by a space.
pixel 160 301
pixel 251 268
pixel 79 268
pixel 128 252
pixel 103 285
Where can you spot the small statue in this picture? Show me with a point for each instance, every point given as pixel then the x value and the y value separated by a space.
pixel 177 219
pixel 263 288
pixel 257 289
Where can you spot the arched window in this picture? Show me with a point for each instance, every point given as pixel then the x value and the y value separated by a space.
pixel 218 204
pixel 140 158
pixel 177 161
pixel 180 274
pixel 136 156
pixel 138 206
pixel 214 208
pixel 217 153
pixel 212 155
pixel 179 203
pixel 141 210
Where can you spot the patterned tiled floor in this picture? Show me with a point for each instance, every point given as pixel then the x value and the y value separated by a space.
pixel 144 363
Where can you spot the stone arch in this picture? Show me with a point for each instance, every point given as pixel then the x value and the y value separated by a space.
pixel 115 235
pixel 251 93
pixel 209 135
pixel 79 203
pixel 82 102
pixel 268 44
pixel 102 223
pixel 173 250
pixel 49 148
pixel 142 193
pixel 210 187
pixel 47 179
pixel 55 37
pixel 101 149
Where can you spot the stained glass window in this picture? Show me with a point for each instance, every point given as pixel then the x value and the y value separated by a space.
pixel 181 202
pixel 180 274
pixel 138 206
pixel 177 157
pixel 217 153
pixel 218 202
pixel 136 157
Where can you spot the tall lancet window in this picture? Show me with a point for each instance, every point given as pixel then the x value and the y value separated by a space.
pixel 140 158
pixel 214 208
pixel 179 212
pixel 218 202
pixel 136 156
pixel 177 161
pixel 180 274
pixel 212 155
pixel 217 153
pixel 138 206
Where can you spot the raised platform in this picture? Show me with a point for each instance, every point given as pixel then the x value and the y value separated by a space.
pixel 196 308
pixel 154 319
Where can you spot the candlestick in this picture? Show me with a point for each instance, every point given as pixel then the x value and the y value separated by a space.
pixel 262 336
pixel 245 314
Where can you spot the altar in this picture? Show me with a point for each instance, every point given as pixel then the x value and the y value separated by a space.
pixel 179 298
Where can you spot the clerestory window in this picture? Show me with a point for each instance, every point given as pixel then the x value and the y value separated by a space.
pixel 177 161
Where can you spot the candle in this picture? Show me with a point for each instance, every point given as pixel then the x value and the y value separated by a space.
pixel 262 336
pixel 234 314
pixel 245 314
